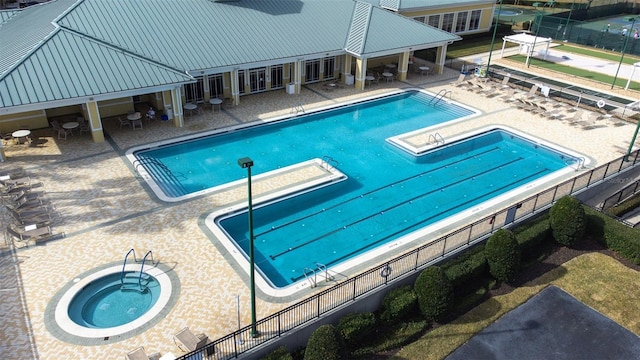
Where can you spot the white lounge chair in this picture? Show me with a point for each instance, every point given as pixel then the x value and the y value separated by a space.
pixel 188 341
pixel 29 233
pixel 140 354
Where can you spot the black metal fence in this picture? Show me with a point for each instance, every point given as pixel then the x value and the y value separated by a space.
pixel 621 195
pixel 298 315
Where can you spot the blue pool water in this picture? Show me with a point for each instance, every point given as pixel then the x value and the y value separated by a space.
pixel 387 197
pixel 345 133
pixel 102 304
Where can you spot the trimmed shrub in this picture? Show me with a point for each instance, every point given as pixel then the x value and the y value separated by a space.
pixel 567 220
pixel 280 353
pixel 324 344
pixel 354 327
pixel 435 293
pixel 532 234
pixel 616 236
pixel 398 303
pixel 398 335
pixel 503 255
pixel 467 271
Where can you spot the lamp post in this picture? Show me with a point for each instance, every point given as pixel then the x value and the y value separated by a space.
pixel 493 39
pixel 247 163
pixel 624 48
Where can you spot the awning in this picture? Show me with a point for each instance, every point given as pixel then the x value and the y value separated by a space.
pixel 527 44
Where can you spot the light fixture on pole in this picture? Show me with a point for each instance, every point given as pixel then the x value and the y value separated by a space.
pixel 247 163
pixel 624 48
pixel 493 39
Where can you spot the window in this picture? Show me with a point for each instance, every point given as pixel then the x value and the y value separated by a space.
pixel 216 86
pixel 277 75
pixel 257 82
pixel 329 64
pixel 461 21
pixel 474 21
pixel 419 19
pixel 194 93
pixel 434 20
pixel 312 71
pixel 447 22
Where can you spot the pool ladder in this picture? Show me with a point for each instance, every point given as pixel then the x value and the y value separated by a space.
pixel 578 162
pixel 140 286
pixel 328 161
pixel 439 96
pixel 312 274
pixel 435 139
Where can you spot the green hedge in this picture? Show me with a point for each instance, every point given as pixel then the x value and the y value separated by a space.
pixel 280 353
pixel 324 344
pixel 396 336
pixel 532 235
pixel 356 326
pixel 466 271
pixel 399 303
pixel 616 236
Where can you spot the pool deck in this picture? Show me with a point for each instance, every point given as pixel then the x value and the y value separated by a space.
pixel 106 210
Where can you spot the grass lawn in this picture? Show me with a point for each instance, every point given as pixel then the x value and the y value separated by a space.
pixel 605 55
pixel 577 72
pixel 597 280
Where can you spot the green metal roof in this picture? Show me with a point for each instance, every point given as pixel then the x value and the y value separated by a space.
pixel 77 48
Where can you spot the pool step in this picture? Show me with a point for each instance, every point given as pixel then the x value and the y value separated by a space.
pixel 133 281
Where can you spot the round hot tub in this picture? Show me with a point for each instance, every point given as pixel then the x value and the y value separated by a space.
pixel 113 303
pixel 114 300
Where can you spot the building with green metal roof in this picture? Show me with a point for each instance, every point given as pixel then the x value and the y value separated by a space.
pixel 96 58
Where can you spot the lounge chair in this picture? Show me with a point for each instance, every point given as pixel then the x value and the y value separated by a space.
pixel 140 354
pixel 30 233
pixel 11 182
pixel 40 216
pixel 16 188
pixel 189 340
pixel 25 202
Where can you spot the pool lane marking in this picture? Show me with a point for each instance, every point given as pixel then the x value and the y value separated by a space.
pixel 370 244
pixel 378 212
pixel 273 228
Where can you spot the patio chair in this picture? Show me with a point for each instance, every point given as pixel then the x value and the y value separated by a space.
pixel 188 341
pixel 136 124
pixel 123 122
pixel 140 354
pixel 6 136
pixel 84 125
pixel 29 233
pixel 9 189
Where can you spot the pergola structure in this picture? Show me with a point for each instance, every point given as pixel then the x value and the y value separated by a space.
pixel 527 44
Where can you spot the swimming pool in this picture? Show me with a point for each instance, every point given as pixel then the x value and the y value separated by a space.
pixel 337 226
pixel 179 170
